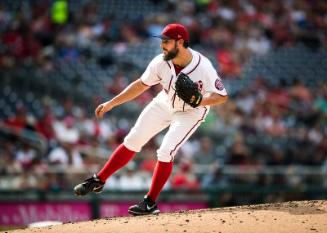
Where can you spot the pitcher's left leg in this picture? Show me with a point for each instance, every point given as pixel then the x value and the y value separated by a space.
pixel 182 127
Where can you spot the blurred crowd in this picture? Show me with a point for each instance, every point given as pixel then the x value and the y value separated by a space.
pixel 40 31
pixel 261 126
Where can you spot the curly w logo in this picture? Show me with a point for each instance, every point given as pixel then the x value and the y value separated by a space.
pixel 200 85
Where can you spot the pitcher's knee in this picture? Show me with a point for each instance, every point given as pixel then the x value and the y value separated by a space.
pixel 164 157
pixel 133 143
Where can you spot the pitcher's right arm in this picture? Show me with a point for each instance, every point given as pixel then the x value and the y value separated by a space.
pixel 132 91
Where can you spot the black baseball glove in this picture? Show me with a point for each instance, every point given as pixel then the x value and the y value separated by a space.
pixel 187 90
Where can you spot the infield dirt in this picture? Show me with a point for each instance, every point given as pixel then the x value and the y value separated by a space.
pixel 288 217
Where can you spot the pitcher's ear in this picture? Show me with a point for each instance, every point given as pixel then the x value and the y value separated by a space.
pixel 185 44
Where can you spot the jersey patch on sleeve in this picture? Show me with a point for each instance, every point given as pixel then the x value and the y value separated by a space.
pixel 219 84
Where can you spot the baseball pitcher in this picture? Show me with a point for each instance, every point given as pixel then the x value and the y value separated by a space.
pixel 190 85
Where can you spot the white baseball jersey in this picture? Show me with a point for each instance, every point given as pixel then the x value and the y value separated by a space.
pixel 167 109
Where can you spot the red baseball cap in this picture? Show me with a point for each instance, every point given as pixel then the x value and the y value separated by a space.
pixel 175 31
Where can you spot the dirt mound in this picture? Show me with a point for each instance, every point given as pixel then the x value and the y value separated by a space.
pixel 305 216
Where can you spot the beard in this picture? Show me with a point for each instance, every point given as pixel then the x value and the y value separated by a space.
pixel 171 54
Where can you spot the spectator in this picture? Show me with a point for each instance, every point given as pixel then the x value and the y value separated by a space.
pixel 65 155
pixel 184 178
pixel 26 156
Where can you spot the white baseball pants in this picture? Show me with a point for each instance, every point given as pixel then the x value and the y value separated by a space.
pixel 156 117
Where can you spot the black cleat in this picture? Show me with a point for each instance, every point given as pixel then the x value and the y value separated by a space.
pixel 147 206
pixel 93 184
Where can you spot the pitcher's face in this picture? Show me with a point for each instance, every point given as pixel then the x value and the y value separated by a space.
pixel 169 48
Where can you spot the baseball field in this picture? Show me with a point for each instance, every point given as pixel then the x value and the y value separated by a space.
pixel 297 217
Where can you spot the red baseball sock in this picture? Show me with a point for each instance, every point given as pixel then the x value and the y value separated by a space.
pixel 118 159
pixel 160 176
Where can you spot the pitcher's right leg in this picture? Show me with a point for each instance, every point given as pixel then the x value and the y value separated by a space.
pixel 152 120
